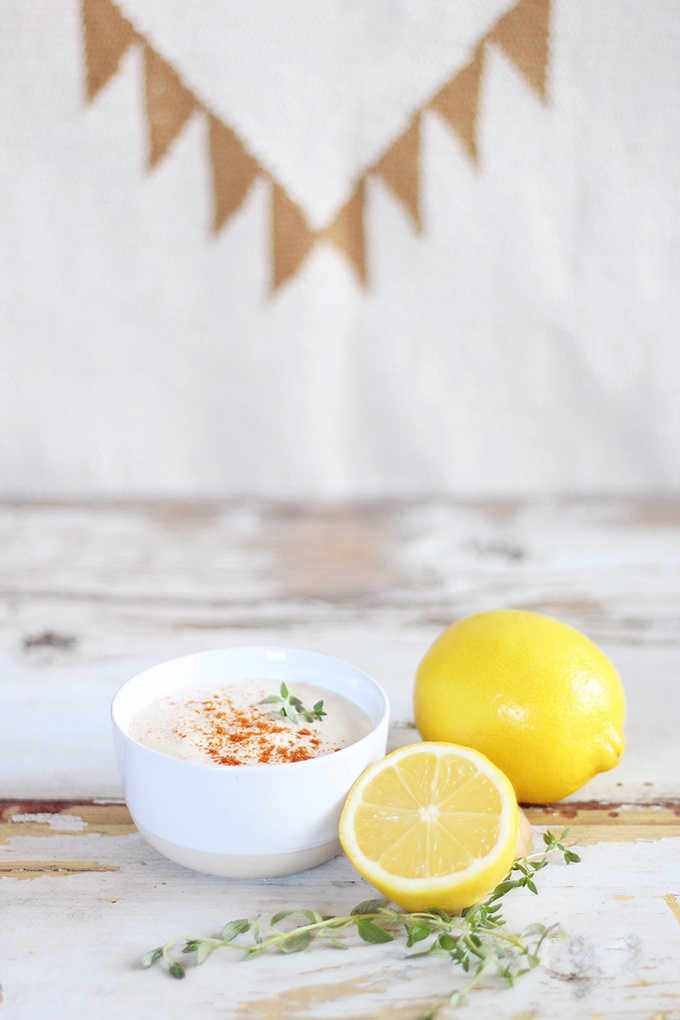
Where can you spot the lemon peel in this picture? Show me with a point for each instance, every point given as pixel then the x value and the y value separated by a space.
pixel 539 699
pixel 431 825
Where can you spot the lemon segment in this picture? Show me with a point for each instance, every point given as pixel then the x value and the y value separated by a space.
pixel 540 700
pixel 431 825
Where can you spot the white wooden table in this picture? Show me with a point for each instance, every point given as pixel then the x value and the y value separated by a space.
pixel 89 595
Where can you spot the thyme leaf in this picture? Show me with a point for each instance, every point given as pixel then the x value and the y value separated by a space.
pixel 476 939
pixel 290 707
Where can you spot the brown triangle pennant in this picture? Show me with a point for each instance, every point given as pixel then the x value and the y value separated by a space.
pixel 346 231
pixel 291 238
pixel 168 104
pixel 400 170
pixel 233 171
pixel 458 102
pixel 107 35
pixel 523 34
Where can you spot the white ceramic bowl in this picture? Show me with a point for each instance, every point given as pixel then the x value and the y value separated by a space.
pixel 244 821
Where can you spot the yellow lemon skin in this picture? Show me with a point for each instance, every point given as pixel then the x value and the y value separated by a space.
pixel 431 825
pixel 540 700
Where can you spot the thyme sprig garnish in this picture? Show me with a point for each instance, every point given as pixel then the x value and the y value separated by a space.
pixel 291 707
pixel 476 939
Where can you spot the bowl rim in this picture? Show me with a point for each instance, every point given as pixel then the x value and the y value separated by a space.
pixel 263 767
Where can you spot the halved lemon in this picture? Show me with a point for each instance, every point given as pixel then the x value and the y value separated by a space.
pixel 431 825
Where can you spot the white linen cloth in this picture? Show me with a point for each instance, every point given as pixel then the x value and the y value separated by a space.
pixel 525 340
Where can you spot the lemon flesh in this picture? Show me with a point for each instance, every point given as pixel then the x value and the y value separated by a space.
pixel 540 700
pixel 431 825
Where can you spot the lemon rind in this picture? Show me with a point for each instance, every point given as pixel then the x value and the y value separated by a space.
pixel 446 884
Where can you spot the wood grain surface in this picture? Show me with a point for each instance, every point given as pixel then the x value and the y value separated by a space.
pixel 83 898
pixel 91 594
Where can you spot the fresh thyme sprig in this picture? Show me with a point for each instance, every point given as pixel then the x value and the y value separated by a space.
pixel 476 939
pixel 292 707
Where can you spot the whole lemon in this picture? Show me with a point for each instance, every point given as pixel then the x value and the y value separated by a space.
pixel 532 694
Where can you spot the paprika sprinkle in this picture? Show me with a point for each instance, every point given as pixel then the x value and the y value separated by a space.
pixel 228 727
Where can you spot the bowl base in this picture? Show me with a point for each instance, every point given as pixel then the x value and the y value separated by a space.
pixel 242 865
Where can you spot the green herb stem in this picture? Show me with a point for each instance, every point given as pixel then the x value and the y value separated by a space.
pixel 291 707
pixel 476 939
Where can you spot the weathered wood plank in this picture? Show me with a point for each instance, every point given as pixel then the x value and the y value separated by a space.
pixel 75 938
pixel 588 822
pixel 89 595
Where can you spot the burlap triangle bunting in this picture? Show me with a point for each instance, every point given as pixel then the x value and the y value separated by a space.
pixel 233 171
pixel 168 104
pixel 107 35
pixel 346 231
pixel 400 170
pixel 458 102
pixel 522 33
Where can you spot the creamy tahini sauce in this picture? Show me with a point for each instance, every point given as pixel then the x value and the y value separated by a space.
pixel 224 725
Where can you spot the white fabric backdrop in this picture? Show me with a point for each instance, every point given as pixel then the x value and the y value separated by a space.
pixel 527 341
